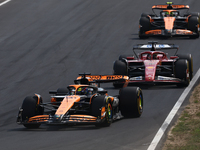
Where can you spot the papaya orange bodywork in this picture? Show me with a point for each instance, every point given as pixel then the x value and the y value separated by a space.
pixel 185 32
pixel 173 6
pixel 154 32
pixel 81 118
pixel 169 23
pixel 66 104
pixel 104 77
pixel 39 118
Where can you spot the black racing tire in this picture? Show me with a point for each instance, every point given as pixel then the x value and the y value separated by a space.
pixel 190 61
pixel 96 110
pixel 145 14
pixel 193 22
pixel 124 56
pixel 30 109
pixel 144 26
pixel 131 102
pixel 194 14
pixel 120 68
pixel 181 69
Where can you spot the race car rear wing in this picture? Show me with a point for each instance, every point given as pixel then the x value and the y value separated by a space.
pixel 156 46
pixel 169 6
pixel 153 46
pixel 175 7
pixel 87 78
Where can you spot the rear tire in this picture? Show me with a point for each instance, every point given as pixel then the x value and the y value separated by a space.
pixel 30 109
pixel 131 102
pixel 96 110
pixel 181 69
pixel 193 26
pixel 144 26
pixel 120 68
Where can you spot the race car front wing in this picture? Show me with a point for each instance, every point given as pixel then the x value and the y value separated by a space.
pixel 59 119
pixel 157 80
pixel 175 32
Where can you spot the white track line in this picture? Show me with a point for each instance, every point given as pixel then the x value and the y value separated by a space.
pixel 4 2
pixel 173 112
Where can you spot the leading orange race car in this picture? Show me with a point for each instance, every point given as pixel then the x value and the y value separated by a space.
pixel 83 103
pixel 170 21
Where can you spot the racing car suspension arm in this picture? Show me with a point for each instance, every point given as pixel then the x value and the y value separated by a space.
pixel 140 68
pixel 165 67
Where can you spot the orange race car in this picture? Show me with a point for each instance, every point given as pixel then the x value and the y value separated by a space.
pixel 84 102
pixel 172 20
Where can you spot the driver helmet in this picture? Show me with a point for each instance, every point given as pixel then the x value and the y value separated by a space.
pixel 167 14
pixel 154 56
pixel 149 56
pixel 72 92
pixel 90 91
pixel 78 92
pixel 84 91
pixel 173 13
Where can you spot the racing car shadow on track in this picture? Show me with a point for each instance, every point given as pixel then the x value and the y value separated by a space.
pixel 135 37
pixel 157 87
pixel 70 127
pixel 58 128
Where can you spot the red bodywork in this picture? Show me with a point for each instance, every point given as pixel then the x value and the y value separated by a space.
pixel 152 60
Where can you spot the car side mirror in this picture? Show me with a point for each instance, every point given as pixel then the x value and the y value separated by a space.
pixel 173 57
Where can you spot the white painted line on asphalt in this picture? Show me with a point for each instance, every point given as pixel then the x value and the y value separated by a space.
pixel 173 112
pixel 4 2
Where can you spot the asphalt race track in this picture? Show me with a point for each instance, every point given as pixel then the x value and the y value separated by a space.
pixel 44 44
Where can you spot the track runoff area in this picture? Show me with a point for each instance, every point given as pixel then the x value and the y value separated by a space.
pixel 173 112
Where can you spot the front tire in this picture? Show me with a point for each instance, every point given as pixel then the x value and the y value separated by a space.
pixel 190 61
pixel 181 72
pixel 131 102
pixel 122 57
pixel 31 108
pixel 101 108
pixel 120 68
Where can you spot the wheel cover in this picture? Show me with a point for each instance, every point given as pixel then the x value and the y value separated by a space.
pixel 109 111
pixel 140 104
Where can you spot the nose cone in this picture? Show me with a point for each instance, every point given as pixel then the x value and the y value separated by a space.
pixel 169 23
pixel 149 78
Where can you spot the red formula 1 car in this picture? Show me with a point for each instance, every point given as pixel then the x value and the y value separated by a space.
pixel 170 21
pixel 154 66
pixel 82 103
